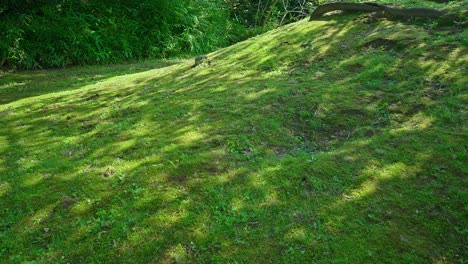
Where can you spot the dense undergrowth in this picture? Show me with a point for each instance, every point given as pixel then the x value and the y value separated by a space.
pixel 335 141
pixel 62 32
pixel 59 33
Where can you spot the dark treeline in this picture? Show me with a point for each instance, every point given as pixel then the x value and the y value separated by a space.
pixel 58 33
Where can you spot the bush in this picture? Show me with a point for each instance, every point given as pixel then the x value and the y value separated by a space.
pixel 58 33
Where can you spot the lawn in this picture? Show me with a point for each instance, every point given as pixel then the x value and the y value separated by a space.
pixel 333 141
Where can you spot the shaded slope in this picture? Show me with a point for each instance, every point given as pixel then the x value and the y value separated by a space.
pixel 328 141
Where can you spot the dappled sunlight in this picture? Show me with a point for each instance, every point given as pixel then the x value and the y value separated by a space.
pixel 31 179
pixel 458 54
pixel 121 146
pixel 5 188
pixel 417 122
pixel 82 207
pixel 33 222
pixel 165 218
pixel 296 234
pixel 67 85
pixel 12 85
pixel 312 138
pixel 189 135
pixel 376 174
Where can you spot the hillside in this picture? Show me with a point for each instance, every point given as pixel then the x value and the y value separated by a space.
pixel 340 140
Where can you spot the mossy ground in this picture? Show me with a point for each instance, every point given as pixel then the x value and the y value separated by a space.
pixel 334 141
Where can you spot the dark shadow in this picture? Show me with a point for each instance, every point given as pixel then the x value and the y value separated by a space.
pixel 18 85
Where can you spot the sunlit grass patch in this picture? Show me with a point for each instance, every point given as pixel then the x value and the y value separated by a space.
pixel 326 141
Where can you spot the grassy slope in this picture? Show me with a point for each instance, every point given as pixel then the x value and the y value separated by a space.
pixel 315 142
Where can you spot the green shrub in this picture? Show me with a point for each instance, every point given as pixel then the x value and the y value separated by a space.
pixel 60 33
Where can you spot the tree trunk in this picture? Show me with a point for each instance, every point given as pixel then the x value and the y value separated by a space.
pixel 374 7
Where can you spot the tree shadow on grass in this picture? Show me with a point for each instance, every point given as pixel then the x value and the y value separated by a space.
pixel 213 164
pixel 24 84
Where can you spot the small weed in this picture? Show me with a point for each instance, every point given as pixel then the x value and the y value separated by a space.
pixel 382 117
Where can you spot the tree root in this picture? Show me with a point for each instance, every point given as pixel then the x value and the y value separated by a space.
pixel 385 10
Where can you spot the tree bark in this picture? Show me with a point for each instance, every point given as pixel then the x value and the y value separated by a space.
pixel 374 7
